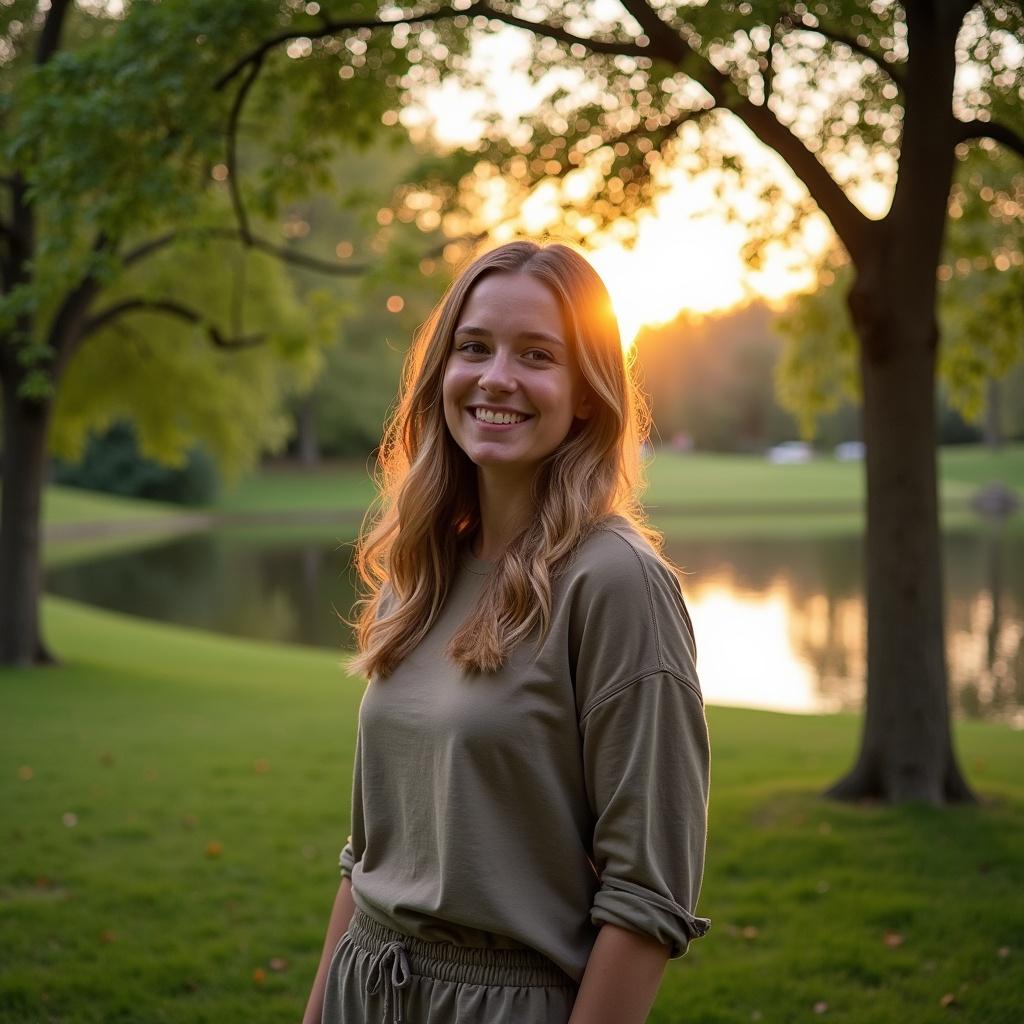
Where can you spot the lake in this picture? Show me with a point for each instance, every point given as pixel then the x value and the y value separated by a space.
pixel 780 622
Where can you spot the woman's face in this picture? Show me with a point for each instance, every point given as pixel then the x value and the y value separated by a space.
pixel 511 385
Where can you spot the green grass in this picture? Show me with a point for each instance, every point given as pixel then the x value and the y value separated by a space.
pixel 162 740
pixel 71 505
pixel 336 488
pixel 697 484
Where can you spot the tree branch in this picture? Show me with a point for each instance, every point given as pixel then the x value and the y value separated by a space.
pixel 49 37
pixel 849 223
pixel 169 307
pixel 64 331
pixel 1001 133
pixel 149 247
pixel 801 24
pixel 563 35
pixel 283 253
pixel 480 8
pixel 665 41
pixel 330 28
pixel 232 150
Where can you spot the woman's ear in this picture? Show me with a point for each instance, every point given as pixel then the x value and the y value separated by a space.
pixel 584 408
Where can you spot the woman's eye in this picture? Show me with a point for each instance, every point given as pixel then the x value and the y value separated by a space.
pixel 471 347
pixel 540 354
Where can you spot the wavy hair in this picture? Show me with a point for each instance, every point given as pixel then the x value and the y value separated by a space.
pixel 427 505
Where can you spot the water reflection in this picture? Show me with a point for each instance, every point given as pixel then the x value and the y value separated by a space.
pixel 780 624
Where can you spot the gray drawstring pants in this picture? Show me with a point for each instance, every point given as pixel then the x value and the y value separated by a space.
pixel 378 974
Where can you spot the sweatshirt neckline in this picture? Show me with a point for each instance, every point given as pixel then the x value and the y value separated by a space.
pixel 478 566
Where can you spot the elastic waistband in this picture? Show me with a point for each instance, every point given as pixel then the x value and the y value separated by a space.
pixel 470 965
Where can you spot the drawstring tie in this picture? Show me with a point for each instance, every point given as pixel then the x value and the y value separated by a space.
pixel 400 976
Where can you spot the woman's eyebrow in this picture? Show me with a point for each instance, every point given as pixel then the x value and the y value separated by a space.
pixel 551 339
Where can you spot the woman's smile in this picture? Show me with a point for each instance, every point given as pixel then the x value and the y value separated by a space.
pixel 511 386
pixel 490 419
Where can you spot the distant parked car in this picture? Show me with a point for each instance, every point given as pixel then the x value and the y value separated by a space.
pixel 849 451
pixel 790 451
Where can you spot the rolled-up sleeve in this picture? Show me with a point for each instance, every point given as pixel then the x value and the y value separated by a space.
pixel 647 764
pixel 347 859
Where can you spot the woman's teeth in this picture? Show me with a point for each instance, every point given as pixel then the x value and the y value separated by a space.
pixel 498 417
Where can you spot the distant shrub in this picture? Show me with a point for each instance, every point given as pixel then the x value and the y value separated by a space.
pixel 112 463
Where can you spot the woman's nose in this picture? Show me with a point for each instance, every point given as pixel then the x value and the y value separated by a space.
pixel 497 374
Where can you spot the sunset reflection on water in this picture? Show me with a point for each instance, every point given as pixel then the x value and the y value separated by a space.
pixel 770 649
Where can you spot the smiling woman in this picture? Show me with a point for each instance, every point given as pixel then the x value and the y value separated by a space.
pixel 512 392
pixel 530 790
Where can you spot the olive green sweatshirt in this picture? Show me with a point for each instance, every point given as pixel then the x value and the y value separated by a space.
pixel 569 789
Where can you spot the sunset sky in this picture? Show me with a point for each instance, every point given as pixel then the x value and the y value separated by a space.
pixel 688 254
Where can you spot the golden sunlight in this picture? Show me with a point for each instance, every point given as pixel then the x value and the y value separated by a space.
pixel 688 250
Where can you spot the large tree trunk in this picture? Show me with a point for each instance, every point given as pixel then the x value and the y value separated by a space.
pixel 993 415
pixel 906 745
pixel 25 464
pixel 308 442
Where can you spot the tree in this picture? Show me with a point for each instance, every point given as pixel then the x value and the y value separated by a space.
pixel 832 88
pixel 981 303
pixel 121 165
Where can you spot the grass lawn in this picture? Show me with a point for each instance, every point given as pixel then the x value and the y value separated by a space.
pixel 174 803
pixel 336 487
pixel 694 483
pixel 72 505
pixel 701 484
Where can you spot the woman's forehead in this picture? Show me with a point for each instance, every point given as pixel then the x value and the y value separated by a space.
pixel 513 302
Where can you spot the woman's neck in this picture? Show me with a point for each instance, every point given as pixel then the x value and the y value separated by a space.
pixel 505 508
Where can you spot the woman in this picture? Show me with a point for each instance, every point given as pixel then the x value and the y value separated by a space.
pixel 531 778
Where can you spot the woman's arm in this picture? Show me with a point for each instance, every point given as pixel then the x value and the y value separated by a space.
pixel 341 915
pixel 622 978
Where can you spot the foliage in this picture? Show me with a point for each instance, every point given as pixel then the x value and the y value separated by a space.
pixel 175 385
pixel 981 308
pixel 125 138
pixel 711 378
pixel 375 226
pixel 113 464
pixel 817 371
pixel 623 97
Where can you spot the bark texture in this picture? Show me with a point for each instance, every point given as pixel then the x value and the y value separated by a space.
pixel 906 745
pixel 25 466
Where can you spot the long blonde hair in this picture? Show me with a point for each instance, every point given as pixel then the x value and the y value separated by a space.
pixel 427 504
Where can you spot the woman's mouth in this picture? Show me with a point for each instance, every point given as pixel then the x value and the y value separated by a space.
pixel 495 419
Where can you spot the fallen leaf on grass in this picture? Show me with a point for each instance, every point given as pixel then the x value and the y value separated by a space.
pixel 259 976
pixel 749 931
pixel 261 765
pixel 821 1006
pixel 947 1000
pixel 25 773
pixel 107 936
pixel 69 818
pixel 214 848
pixel 892 939
pixel 1003 952
pixel 106 758
pixel 278 963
